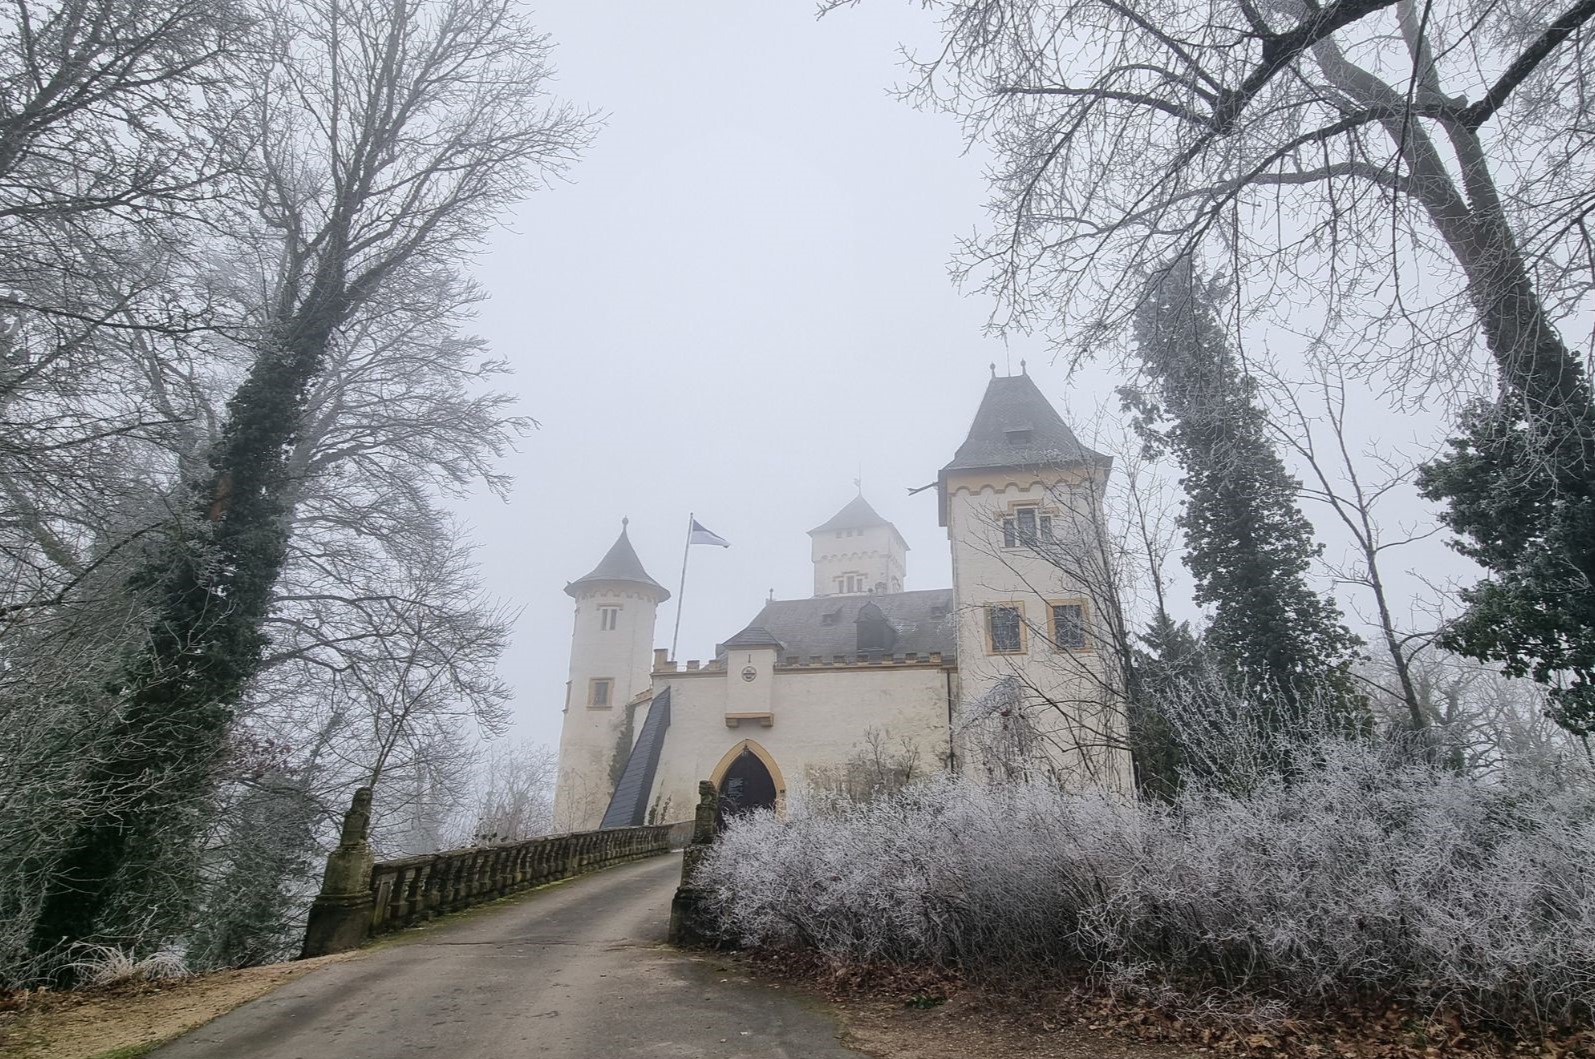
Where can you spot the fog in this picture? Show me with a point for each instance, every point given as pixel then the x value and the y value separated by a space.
pixel 738 306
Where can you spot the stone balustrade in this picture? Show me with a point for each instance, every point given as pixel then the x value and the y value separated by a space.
pixel 413 889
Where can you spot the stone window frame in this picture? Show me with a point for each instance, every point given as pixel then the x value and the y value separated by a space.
pixel 987 610
pixel 1008 524
pixel 847 582
pixel 1085 623
pixel 608 617
pixel 608 686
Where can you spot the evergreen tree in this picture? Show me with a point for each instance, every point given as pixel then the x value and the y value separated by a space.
pixel 1168 662
pixel 1521 494
pixel 1248 546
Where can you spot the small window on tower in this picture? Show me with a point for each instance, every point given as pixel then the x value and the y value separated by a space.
pixel 1025 520
pixel 608 618
pixel 598 691
pixel 1068 626
pixel 1005 629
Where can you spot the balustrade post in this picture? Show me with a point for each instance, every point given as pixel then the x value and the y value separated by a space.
pixel 340 916
pixel 689 922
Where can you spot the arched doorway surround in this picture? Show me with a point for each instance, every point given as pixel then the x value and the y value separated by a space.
pixel 747 777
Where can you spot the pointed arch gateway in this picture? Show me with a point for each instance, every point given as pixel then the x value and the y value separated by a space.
pixel 748 778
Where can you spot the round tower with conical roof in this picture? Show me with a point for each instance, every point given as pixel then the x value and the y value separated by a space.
pixel 610 656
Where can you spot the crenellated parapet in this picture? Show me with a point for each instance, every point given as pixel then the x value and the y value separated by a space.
pixel 791 662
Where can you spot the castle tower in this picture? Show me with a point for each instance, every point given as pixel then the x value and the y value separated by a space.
pixel 856 552
pixel 1022 504
pixel 610 656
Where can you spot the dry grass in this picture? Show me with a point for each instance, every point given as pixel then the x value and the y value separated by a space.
pixel 134 1014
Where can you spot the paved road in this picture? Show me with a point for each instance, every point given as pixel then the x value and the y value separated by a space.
pixel 576 971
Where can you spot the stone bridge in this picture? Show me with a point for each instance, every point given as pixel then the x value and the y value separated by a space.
pixel 570 962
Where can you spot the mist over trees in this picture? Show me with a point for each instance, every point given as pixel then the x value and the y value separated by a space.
pixel 237 391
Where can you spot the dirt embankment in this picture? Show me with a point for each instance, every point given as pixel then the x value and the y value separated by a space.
pixel 126 1020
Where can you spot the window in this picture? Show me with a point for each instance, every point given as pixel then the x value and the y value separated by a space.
pixel 608 618
pixel 1068 626
pixel 831 618
pixel 1026 526
pixel 599 690
pixel 1005 629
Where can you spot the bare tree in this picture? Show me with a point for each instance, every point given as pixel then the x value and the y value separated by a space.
pixel 391 135
pixel 1294 134
pixel 1404 173
pixel 1340 481
pixel 515 793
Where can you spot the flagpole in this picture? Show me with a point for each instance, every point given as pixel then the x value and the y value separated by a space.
pixel 686 549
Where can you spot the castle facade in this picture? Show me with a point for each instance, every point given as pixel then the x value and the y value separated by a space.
pixel 866 683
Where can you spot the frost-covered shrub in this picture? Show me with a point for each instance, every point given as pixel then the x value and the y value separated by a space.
pixel 1364 876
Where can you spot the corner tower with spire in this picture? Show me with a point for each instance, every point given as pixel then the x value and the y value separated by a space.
pixel 1022 501
pixel 611 651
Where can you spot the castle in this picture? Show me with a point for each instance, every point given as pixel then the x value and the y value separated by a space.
pixel 865 682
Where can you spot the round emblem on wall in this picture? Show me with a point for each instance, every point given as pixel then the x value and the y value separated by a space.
pixel 749 674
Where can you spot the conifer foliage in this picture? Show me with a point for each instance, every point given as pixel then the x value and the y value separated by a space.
pixel 1248 546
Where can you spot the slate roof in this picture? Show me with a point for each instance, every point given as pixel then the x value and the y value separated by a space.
pixel 1012 405
pixel 924 621
pixel 620 563
pixel 855 514
pixel 628 806
pixel 1015 426
pixel 753 636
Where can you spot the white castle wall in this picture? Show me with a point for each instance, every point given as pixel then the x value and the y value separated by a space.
pixel 985 571
pixel 819 716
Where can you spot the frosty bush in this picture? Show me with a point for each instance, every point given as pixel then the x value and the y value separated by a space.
pixel 1365 876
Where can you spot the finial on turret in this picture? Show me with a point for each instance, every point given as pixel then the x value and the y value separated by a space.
pixel 1022 369
pixel 994 369
pixel 624 522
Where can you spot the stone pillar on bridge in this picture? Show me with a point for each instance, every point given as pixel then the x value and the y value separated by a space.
pixel 340 917
pixel 690 924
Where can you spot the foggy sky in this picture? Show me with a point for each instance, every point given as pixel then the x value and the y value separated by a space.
pixel 739 304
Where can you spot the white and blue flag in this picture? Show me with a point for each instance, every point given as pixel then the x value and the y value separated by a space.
pixel 700 535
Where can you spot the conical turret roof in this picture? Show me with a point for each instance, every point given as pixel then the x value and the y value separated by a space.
pixel 620 563
pixel 1016 426
pixel 856 514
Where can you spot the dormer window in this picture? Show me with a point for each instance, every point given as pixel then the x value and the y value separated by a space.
pixel 831 618
pixel 1019 435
